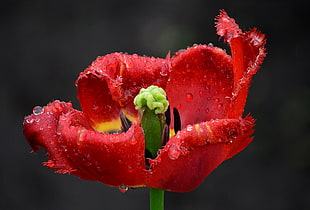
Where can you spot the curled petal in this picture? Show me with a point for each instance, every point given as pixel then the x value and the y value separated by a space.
pixel 200 81
pixel 196 151
pixel 75 148
pixel 248 53
pixel 111 83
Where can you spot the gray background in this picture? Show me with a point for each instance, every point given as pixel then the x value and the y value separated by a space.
pixel 45 44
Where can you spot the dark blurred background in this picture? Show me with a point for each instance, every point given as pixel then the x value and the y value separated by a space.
pixel 45 44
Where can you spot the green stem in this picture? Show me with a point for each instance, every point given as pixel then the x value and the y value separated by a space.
pixel 156 199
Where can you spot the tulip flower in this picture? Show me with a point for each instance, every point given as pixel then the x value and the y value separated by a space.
pixel 200 124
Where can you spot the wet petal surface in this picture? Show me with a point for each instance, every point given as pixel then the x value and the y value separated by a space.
pixel 75 148
pixel 200 84
pixel 248 53
pixel 193 153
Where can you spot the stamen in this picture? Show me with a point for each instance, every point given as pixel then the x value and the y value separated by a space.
pixel 177 120
pixel 114 132
pixel 126 124
pixel 148 155
pixel 168 116
pixel 165 136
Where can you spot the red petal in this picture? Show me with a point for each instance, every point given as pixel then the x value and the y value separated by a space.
pixel 112 82
pixel 193 153
pixel 200 84
pixel 248 53
pixel 77 149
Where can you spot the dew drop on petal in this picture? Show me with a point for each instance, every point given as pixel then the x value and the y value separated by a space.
pixel 189 128
pixel 95 107
pixel 229 142
pixel 133 140
pixel 130 169
pixel 123 188
pixel 37 110
pixel 189 97
pixel 210 45
pixel 164 71
pixel 216 100
pixel 219 106
pixel 29 120
pixel 173 152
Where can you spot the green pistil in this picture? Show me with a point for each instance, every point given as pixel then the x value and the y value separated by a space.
pixel 152 103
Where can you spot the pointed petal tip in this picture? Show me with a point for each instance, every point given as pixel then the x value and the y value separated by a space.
pixel 226 26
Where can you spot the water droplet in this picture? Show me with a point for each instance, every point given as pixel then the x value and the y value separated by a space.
pixel 29 120
pixel 37 110
pixel 207 110
pixel 130 169
pixel 123 188
pixel 205 78
pixel 133 140
pixel 201 93
pixel 139 157
pixel 189 97
pixel 189 128
pixel 229 142
pixel 219 106
pixel 95 107
pixel 216 100
pixel 210 45
pixel 174 152
pixel 164 72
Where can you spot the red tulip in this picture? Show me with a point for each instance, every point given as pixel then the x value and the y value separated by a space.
pixel 206 89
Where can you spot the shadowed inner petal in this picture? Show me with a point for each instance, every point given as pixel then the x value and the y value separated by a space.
pixel 200 84
pixel 98 105
pixel 110 84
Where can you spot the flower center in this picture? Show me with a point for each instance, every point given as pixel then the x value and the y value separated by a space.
pixel 152 105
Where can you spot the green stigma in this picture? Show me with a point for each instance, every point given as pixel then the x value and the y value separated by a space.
pixel 153 98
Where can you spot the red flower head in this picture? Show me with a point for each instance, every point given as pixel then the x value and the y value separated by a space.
pixel 206 89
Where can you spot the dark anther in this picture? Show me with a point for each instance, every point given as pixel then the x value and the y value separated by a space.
pixel 167 115
pixel 148 155
pixel 125 122
pixel 114 132
pixel 165 135
pixel 177 120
